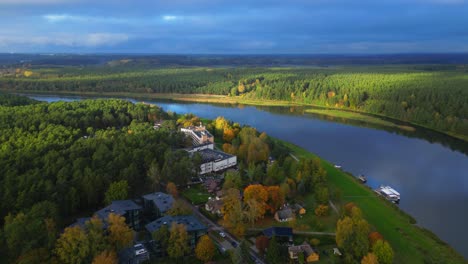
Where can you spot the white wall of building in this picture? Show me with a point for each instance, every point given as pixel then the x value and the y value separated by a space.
pixel 224 164
pixel 218 165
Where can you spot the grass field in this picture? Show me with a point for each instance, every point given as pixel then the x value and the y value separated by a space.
pixel 411 243
pixel 196 194
pixel 308 222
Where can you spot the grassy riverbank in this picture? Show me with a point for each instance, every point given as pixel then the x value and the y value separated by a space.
pixel 411 243
pixel 222 99
pixel 347 115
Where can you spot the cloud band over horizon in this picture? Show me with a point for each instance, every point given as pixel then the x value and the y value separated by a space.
pixel 214 26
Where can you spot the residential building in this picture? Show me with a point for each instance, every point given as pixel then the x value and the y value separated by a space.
pixel 126 208
pixel 194 227
pixel 199 134
pixel 214 160
pixel 212 185
pixel 309 254
pixel 284 215
pixel 156 204
pixel 298 209
pixel 194 149
pixel 214 206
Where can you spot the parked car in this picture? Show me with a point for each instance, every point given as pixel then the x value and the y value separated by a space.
pixel 222 234
pixel 139 249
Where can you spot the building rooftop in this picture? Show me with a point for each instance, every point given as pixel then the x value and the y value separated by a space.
pixel 285 213
pixel 209 155
pixel 304 247
pixel 199 131
pixel 162 201
pixel 278 232
pixel 215 204
pixel 191 223
pixel 119 207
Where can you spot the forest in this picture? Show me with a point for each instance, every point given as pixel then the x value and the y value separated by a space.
pixel 64 160
pixel 432 96
pixel 58 160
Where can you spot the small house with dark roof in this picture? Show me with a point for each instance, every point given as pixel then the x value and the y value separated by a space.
pixel 309 253
pixel 214 206
pixel 126 208
pixel 219 194
pixel 194 227
pixel 212 185
pixel 284 215
pixel 283 234
pixel 156 204
pixel 298 209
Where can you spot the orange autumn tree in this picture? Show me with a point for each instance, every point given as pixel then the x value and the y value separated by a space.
pixel 171 189
pixel 374 237
pixel 228 134
pixel 259 194
pixel 275 198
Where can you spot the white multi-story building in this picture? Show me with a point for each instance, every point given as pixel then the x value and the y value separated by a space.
pixel 199 134
pixel 214 160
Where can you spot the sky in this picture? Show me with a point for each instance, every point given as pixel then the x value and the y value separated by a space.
pixel 234 27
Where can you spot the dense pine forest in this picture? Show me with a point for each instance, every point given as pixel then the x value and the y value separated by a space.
pixel 57 161
pixel 64 160
pixel 432 96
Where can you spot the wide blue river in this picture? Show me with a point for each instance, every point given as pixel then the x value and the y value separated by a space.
pixel 428 169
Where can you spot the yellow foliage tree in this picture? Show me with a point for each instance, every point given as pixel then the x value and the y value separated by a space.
pixel 106 257
pixel 27 73
pixel 370 258
pixel 232 212
pixel 72 246
pixel 321 210
pixel 258 193
pixel 120 235
pixel 241 88
pixel 178 241
pixel 205 249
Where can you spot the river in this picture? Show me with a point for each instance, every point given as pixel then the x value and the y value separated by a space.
pixel 431 177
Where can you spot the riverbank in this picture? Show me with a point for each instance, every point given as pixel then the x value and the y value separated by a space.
pixel 337 114
pixel 411 243
pixel 222 99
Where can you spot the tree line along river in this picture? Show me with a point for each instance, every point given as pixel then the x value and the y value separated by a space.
pixel 429 170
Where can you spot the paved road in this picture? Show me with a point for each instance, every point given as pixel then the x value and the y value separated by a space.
pixel 313 233
pixel 217 228
pixel 300 232
pixel 294 157
pixel 334 207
